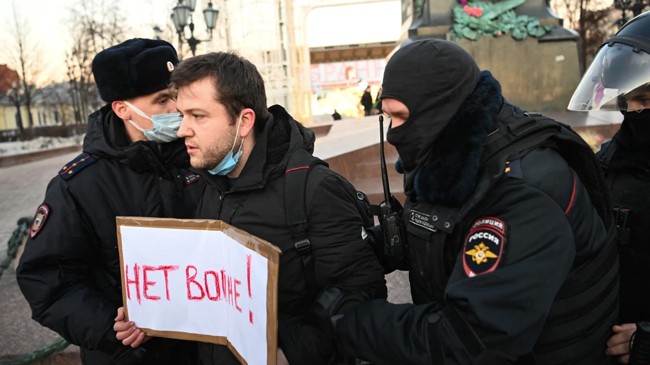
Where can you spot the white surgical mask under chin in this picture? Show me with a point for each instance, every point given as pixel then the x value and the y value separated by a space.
pixel 230 160
pixel 165 126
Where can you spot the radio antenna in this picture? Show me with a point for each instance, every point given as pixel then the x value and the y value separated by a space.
pixel 382 158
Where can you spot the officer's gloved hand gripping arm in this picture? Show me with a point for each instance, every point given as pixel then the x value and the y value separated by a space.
pixel 421 334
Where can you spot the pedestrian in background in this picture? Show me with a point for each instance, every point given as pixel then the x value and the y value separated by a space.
pixel 505 223
pixel 243 150
pixel 366 101
pixel 619 79
pixel 132 164
pixel 336 115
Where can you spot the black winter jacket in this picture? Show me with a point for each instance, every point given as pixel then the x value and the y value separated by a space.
pixel 70 270
pixel 626 159
pixel 342 257
pixel 509 258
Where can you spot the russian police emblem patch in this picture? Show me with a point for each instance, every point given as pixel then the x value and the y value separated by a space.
pixel 484 246
pixel 39 220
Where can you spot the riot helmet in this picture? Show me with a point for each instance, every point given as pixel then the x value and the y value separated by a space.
pixel 620 69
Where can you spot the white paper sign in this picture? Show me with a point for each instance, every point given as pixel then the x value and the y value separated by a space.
pixel 199 284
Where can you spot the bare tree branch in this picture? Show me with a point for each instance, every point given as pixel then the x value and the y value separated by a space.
pixel 593 20
pixel 95 25
pixel 27 62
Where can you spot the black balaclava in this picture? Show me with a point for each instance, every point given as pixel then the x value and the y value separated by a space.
pixel 432 78
pixel 635 129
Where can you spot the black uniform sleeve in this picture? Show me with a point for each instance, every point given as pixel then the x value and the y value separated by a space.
pixel 508 306
pixel 342 257
pixel 342 254
pixel 386 333
pixel 56 271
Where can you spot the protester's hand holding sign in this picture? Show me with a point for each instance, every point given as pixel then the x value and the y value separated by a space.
pixel 127 332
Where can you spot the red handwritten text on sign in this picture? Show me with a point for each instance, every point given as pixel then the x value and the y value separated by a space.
pixel 148 282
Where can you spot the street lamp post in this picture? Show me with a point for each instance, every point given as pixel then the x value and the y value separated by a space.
pixel 182 16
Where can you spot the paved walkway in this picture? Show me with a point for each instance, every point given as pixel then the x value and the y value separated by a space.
pixel 21 190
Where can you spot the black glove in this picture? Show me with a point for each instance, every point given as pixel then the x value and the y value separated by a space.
pixel 376 240
pixel 131 356
pixel 304 342
pixel 332 303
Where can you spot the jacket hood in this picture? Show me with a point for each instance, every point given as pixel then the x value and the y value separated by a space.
pixel 281 136
pixel 106 138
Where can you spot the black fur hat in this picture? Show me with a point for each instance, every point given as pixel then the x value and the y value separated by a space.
pixel 133 68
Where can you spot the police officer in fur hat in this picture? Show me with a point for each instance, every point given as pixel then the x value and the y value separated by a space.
pixel 505 222
pixel 132 164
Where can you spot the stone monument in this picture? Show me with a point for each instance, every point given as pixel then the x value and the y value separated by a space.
pixel 519 41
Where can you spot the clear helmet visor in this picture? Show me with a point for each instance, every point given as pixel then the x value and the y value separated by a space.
pixel 617 70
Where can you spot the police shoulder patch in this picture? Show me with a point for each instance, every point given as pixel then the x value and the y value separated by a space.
pixel 76 165
pixel 483 246
pixel 42 212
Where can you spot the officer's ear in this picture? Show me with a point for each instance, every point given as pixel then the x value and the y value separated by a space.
pixel 247 122
pixel 121 110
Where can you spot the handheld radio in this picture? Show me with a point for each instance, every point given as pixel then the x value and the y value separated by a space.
pixel 389 218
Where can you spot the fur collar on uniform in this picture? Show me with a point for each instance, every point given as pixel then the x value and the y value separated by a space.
pixel 451 171
pixel 107 138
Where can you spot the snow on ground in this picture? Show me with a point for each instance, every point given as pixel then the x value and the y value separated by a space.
pixel 38 144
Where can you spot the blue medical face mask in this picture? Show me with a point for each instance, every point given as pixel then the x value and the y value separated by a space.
pixel 165 126
pixel 230 160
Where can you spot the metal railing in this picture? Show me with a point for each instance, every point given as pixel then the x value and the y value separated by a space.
pixel 18 237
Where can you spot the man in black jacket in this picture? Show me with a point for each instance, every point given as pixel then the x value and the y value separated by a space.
pixel 506 225
pixel 244 150
pixel 132 165
pixel 366 101
pixel 619 79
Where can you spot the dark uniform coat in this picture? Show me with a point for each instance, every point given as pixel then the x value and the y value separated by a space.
pixel 626 159
pixel 70 271
pixel 255 202
pixel 511 261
